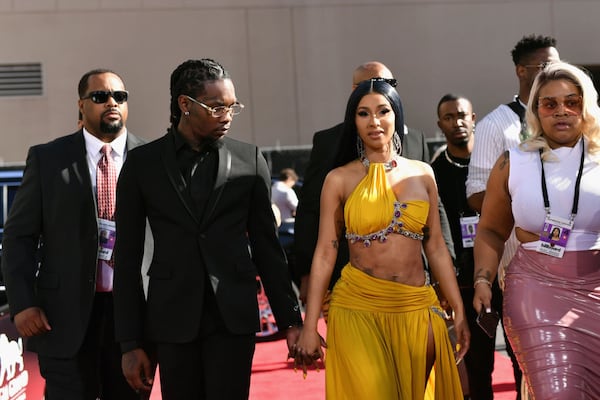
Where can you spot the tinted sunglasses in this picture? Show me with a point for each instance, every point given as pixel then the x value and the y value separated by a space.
pixel 571 105
pixel 101 96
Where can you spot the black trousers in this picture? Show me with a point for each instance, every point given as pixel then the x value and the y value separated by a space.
pixel 479 360
pixel 215 365
pixel 95 371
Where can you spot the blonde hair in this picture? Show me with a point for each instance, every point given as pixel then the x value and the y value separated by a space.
pixel 590 114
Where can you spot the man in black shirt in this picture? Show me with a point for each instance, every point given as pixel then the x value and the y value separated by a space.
pixel 206 197
pixel 456 119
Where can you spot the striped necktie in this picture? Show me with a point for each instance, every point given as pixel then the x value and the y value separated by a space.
pixel 106 185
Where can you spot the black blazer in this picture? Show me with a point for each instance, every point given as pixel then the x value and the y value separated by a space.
pixel 321 161
pixel 55 206
pixel 235 240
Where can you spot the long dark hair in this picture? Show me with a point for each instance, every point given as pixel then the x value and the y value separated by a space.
pixel 346 150
pixel 189 79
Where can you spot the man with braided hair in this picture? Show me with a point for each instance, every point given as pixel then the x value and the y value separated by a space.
pixel 206 197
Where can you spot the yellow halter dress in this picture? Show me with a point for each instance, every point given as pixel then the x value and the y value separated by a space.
pixel 377 330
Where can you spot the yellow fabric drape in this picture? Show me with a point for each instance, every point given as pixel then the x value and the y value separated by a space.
pixel 377 342
pixel 370 207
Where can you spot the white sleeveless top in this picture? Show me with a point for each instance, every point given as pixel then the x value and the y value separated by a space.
pixel 525 188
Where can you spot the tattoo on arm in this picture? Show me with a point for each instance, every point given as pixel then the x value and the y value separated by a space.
pixel 335 244
pixel 483 273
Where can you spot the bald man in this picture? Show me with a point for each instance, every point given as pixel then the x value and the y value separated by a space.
pixel 306 226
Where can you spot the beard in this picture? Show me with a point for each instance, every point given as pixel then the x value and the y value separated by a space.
pixel 462 142
pixel 111 127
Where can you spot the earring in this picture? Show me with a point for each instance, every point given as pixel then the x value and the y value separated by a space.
pixel 360 148
pixel 186 113
pixel 397 143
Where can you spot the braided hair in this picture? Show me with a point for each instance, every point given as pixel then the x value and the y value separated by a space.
pixel 189 79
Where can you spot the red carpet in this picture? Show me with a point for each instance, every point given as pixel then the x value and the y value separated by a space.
pixel 503 380
pixel 273 378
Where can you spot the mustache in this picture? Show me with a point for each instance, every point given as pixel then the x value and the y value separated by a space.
pixel 112 110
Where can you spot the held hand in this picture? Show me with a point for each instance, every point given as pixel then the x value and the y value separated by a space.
pixel 308 351
pixel 292 334
pixel 482 297
pixel 137 369
pixel 31 321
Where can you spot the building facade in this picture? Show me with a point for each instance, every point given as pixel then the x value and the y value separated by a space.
pixel 291 60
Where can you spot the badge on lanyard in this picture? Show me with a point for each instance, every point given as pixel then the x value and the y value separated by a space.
pixel 554 237
pixel 468 229
pixel 107 233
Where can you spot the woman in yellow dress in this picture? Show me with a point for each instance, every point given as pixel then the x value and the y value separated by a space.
pixel 386 329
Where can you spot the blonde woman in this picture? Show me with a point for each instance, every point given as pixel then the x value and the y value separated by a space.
pixel 549 183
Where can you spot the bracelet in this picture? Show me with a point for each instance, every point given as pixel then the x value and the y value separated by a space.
pixel 481 279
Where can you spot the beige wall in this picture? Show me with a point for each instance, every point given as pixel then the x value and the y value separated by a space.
pixel 291 60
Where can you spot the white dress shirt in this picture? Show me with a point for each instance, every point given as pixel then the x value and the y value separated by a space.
pixel 93 145
pixel 497 132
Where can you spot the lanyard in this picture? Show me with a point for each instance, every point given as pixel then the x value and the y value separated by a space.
pixel 577 184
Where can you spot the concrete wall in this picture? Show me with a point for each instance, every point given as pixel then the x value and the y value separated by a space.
pixel 291 60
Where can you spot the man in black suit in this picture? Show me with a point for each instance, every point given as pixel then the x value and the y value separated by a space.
pixel 320 163
pixel 50 257
pixel 207 200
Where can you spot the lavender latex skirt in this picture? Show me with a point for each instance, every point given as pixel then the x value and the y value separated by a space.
pixel 552 318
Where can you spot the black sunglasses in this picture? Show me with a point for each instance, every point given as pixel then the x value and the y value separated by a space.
pixel 390 81
pixel 101 96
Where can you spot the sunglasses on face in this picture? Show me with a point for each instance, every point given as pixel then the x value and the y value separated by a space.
pixel 539 66
pixel 101 96
pixel 572 105
pixel 390 81
pixel 219 111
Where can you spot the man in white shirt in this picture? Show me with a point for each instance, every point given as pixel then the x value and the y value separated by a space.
pixel 283 194
pixel 504 128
